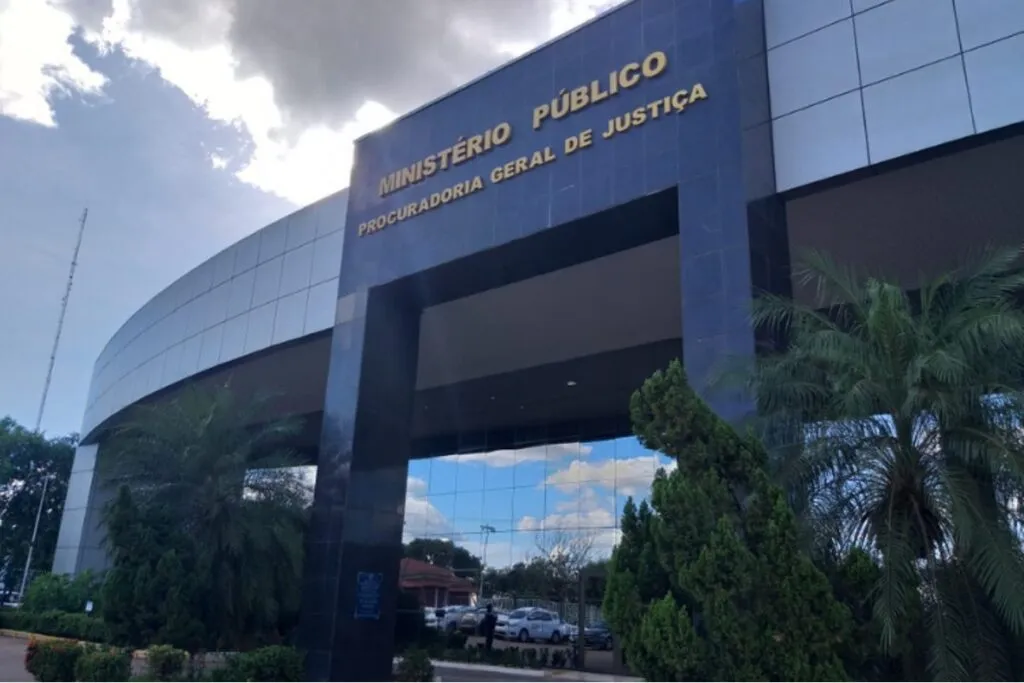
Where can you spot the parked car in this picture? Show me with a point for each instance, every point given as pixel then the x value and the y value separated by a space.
pixel 501 627
pixel 430 617
pixel 530 624
pixel 450 616
pixel 596 635
pixel 470 620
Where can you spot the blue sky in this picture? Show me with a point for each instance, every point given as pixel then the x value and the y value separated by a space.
pixel 184 126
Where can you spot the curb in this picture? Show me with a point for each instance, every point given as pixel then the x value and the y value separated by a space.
pixel 540 674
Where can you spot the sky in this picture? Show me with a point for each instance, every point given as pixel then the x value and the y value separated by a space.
pixel 184 126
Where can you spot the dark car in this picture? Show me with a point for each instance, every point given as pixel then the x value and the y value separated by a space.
pixel 596 635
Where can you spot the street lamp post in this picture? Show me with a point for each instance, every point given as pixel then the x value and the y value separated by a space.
pixel 35 535
pixel 487 530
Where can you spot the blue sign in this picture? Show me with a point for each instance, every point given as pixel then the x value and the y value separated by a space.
pixel 368 595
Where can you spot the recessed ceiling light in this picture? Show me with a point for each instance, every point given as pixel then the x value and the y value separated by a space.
pixel 571 383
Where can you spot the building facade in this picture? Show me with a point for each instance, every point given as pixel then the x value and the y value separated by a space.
pixel 464 325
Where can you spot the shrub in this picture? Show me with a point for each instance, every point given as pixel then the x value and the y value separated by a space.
pixel 58 592
pixel 273 663
pixel 415 666
pixel 708 579
pixel 77 626
pixel 103 664
pixel 456 640
pixel 165 663
pixel 52 660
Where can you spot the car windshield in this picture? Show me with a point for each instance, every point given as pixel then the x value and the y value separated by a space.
pixel 518 614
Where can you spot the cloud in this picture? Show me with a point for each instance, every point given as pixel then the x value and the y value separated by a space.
pixel 422 518
pixel 302 79
pixel 513 457
pixel 590 517
pixel 628 476
pixel 37 63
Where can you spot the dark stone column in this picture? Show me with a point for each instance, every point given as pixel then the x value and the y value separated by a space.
pixel 359 507
pixel 733 240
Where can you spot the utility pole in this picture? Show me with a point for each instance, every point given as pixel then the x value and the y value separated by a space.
pixel 487 530
pixel 46 391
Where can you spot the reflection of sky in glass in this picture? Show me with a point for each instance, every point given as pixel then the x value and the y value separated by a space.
pixel 571 489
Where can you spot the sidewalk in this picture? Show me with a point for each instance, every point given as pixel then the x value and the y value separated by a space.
pixel 459 671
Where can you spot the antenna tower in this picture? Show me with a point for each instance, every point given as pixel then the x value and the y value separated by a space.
pixel 60 320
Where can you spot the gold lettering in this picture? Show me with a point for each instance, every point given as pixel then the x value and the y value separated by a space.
pixel 596 94
pixel 654 64
pixel 586 138
pixel 408 176
pixel 697 93
pixel 475 146
pixel 459 151
pixel 629 75
pixel 679 101
pixel 579 98
pixel 430 166
pixel 560 105
pixel 501 134
pixel 639 116
pixel 539 114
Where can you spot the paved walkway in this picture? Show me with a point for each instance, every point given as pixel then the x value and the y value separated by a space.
pixel 12 660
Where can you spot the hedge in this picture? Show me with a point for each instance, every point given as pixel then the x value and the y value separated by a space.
pixel 77 626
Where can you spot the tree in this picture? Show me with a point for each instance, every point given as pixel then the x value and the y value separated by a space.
pixel 909 444
pixel 210 476
pixel 709 581
pixel 27 459
pixel 152 592
pixel 563 556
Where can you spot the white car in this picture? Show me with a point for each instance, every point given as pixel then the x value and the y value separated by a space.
pixel 451 616
pixel 501 626
pixel 430 617
pixel 529 624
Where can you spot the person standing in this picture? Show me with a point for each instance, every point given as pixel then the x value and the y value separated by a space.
pixel 490 621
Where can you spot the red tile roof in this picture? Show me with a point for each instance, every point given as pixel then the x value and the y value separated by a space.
pixel 420 574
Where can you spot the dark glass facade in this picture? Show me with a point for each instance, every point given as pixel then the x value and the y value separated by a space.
pixel 700 170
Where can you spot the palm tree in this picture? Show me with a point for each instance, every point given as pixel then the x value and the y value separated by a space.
pixel 910 443
pixel 210 462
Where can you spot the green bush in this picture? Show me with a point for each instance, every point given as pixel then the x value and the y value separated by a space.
pixel 77 626
pixel 52 660
pixel 165 663
pixel 456 640
pixel 415 666
pixel 103 664
pixel 273 663
pixel 58 592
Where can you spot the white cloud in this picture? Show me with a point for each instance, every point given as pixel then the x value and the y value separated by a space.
pixel 513 457
pixel 296 93
pixel 628 476
pixel 590 517
pixel 37 62
pixel 422 518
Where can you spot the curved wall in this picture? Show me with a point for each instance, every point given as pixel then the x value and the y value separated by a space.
pixel 276 285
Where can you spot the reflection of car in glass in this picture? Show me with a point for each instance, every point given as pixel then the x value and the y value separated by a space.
pixel 501 627
pixel 596 635
pixel 471 619
pixel 450 616
pixel 534 624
